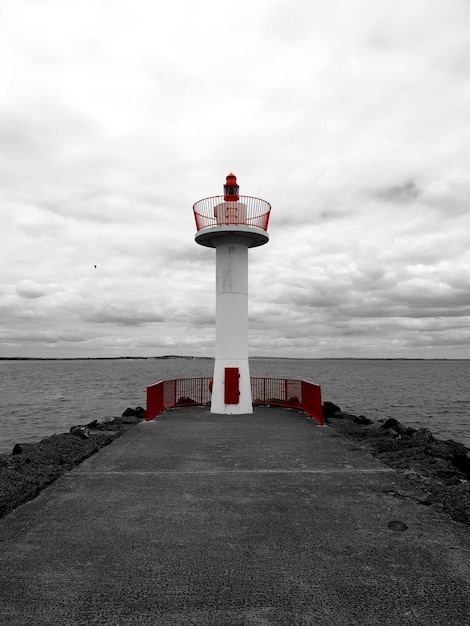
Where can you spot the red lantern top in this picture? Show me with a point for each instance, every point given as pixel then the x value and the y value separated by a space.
pixel 231 189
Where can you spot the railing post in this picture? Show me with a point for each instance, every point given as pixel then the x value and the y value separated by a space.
pixel 154 400
pixel 311 401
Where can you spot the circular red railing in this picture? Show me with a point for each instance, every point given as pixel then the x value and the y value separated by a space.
pixel 247 211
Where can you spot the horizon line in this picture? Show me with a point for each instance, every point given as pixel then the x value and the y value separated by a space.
pixel 187 356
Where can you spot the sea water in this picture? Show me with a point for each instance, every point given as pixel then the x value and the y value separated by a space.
pixel 41 397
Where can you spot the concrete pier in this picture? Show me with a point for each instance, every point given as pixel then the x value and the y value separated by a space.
pixel 196 518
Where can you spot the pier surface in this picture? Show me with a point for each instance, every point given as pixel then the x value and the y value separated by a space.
pixel 259 519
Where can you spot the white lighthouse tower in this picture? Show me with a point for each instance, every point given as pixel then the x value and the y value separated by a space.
pixel 231 224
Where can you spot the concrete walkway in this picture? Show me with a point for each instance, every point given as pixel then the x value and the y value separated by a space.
pixel 212 520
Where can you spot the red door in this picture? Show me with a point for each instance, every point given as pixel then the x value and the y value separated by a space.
pixel 232 385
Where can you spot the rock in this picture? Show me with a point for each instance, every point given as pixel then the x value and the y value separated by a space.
pixel 185 400
pixel 464 464
pixel 391 432
pixel 80 431
pixel 397 525
pixel 330 410
pixel 461 456
pixel 128 412
pixel 17 449
pixel 127 419
pixel 347 416
pixel 362 419
pixel 395 425
pixel 453 499
pixel 355 419
pixel 453 480
pixel 446 474
pixel 140 412
pixel 423 435
pixel 440 449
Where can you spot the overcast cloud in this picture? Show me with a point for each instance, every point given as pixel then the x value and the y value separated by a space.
pixel 351 117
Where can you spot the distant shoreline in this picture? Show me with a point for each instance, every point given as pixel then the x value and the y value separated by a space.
pixel 97 358
pixel 209 358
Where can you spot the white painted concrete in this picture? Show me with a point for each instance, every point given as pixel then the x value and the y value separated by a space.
pixel 218 405
pixel 231 326
pixel 230 213
pixel 253 235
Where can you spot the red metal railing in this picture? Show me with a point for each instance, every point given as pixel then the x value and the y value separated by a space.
pixel 285 392
pixel 248 211
pixel 289 393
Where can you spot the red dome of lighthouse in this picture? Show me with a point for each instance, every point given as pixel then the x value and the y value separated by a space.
pixel 231 189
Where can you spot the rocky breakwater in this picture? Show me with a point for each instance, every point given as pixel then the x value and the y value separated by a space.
pixel 440 468
pixel 32 466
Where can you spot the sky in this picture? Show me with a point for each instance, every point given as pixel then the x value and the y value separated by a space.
pixel 350 117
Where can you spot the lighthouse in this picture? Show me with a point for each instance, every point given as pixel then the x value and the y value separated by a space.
pixel 231 224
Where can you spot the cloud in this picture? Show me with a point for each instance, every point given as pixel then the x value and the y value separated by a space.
pixel 351 118
pixel 122 314
pixel 406 192
pixel 30 290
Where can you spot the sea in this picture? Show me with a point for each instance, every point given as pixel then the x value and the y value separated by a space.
pixel 41 397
